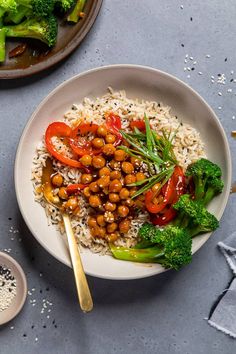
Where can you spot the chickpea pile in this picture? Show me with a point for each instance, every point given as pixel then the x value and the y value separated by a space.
pixel 107 190
pixel 70 203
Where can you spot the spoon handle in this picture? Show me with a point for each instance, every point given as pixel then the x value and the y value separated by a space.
pixel 85 299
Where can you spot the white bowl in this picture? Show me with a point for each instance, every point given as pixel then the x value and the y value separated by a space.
pixel 139 82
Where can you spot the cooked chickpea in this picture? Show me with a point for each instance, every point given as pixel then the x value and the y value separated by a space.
pixel 109 217
pixel 102 130
pixel 108 149
pixel 129 202
pixel 119 155
pixel 92 222
pixel 98 231
pixel 101 232
pixel 98 143
pixel 130 179
pixel 72 203
pixel 86 178
pixel 98 161
pixel 110 138
pixel 115 175
pixel 114 198
pixel 94 201
pixel 115 186
pixel 101 220
pixel 127 167
pixel 123 211
pixel 87 192
pixel 112 227
pixel 105 171
pixel 57 180
pixel 103 181
pixel 124 226
pixel 112 237
pixel 140 176
pixel 94 187
pixel 109 206
pixel 63 193
pixel 135 161
pixel 124 193
pixel 114 164
pixel 86 160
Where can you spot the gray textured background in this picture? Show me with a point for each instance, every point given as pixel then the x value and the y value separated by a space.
pixel 163 314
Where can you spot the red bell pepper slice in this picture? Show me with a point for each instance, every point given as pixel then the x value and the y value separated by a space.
pixel 149 196
pixel 165 218
pixel 171 191
pixel 140 124
pixel 172 194
pixel 113 123
pixel 79 144
pixel 62 130
pixel 75 188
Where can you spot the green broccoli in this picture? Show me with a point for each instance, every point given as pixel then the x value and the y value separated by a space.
pixel 44 30
pixel 17 16
pixel 207 179
pixel 171 247
pixel 2 44
pixel 65 5
pixel 74 16
pixel 195 217
pixel 39 8
pixel 5 6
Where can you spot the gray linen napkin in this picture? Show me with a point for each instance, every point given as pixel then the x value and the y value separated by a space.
pixel 223 317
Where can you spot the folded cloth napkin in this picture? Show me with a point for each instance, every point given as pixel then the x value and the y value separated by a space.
pixel 223 317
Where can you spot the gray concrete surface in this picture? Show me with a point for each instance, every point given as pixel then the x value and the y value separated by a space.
pixel 163 314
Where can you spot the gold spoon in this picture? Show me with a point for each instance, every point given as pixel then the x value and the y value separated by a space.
pixel 85 299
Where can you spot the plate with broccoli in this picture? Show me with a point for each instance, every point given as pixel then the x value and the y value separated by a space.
pixel 36 34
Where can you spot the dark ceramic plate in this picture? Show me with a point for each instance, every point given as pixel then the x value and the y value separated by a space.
pixel 37 58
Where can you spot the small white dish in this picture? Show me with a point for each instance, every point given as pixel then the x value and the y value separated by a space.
pixel 139 82
pixel 21 288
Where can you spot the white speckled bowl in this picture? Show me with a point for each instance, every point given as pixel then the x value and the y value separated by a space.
pixel 21 288
pixel 138 81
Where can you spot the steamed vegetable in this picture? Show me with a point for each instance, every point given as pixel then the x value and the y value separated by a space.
pixel 170 247
pixel 34 19
pixel 206 176
pixel 75 14
pixel 44 30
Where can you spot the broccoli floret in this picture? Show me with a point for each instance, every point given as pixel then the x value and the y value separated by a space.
pixel 65 5
pixel 214 187
pixel 203 222
pixel 5 6
pixel 194 216
pixel 147 233
pixel 39 8
pixel 171 247
pixel 206 175
pixel 2 44
pixel 44 30
pixel 17 16
pixel 74 16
